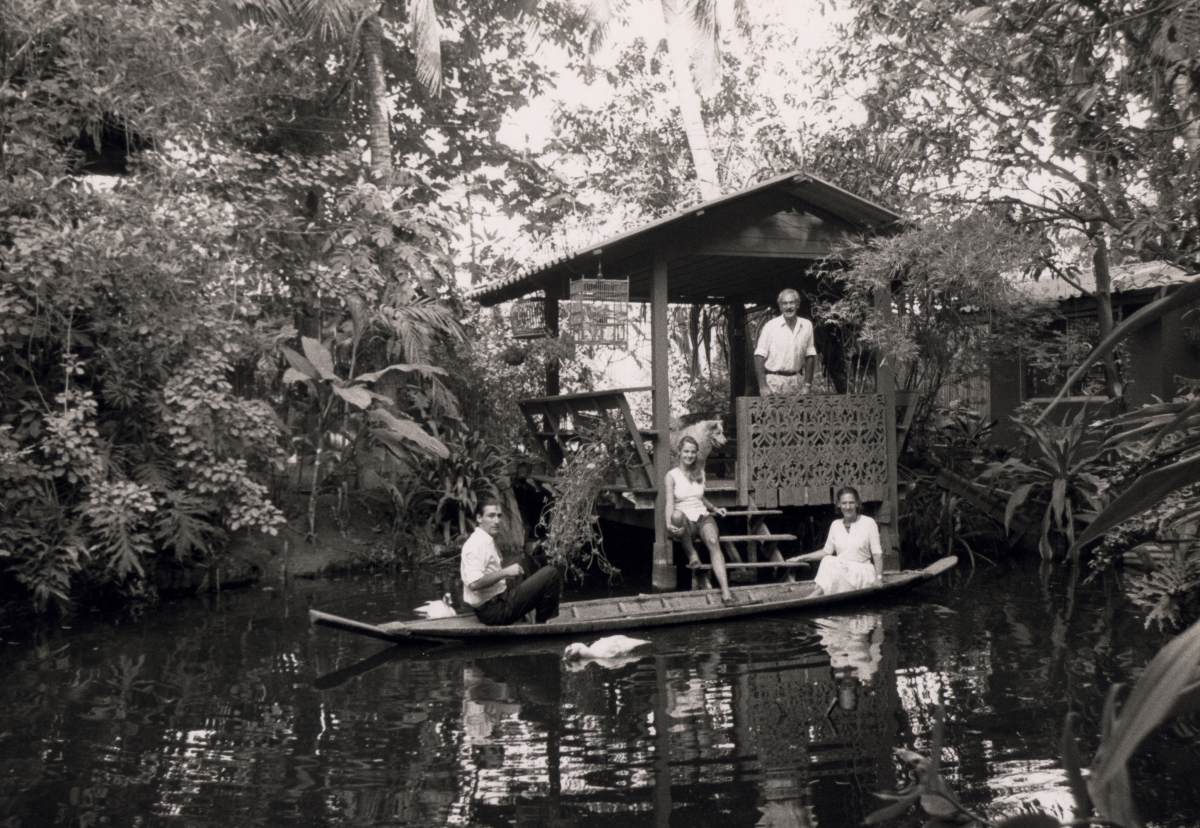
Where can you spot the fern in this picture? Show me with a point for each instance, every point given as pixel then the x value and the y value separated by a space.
pixel 51 550
pixel 1167 590
pixel 156 472
pixel 185 524
pixel 118 514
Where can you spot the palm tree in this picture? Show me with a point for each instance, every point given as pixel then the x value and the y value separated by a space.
pixel 357 23
pixel 701 27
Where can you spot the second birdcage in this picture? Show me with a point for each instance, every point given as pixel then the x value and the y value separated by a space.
pixel 598 311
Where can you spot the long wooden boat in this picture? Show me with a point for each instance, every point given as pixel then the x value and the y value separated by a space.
pixel 637 612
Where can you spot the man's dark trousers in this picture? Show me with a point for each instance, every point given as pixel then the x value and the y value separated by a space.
pixel 540 591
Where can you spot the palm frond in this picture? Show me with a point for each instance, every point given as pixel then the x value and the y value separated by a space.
pixel 327 19
pixel 705 30
pixel 599 19
pixel 427 44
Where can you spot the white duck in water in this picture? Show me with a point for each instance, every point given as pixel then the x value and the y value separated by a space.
pixel 443 608
pixel 610 651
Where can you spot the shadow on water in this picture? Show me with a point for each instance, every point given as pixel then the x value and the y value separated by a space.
pixel 233 711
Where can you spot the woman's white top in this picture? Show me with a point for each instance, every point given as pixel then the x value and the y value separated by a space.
pixel 689 494
pixel 856 544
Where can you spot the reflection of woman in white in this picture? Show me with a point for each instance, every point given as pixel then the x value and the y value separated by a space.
pixel 852 557
pixel 690 514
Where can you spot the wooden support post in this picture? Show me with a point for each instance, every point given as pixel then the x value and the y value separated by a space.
pixel 553 294
pixel 889 512
pixel 664 574
pixel 735 316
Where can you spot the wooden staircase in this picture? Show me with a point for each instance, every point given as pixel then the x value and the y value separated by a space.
pixel 558 423
pixel 756 533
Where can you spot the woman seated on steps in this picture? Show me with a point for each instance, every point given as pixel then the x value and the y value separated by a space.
pixel 689 514
pixel 852 557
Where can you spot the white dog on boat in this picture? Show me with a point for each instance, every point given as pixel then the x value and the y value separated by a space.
pixel 443 608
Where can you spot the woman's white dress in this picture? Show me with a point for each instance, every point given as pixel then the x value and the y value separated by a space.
pixel 850 565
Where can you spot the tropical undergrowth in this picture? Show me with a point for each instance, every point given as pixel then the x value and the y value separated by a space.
pixel 145 411
pixel 938 520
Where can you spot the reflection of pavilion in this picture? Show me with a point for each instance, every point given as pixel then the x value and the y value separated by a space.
pixel 766 725
pixel 807 721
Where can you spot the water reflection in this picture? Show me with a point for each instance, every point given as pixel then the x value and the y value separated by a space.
pixel 238 713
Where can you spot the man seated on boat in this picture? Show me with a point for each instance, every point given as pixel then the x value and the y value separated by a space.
pixel 853 556
pixel 485 581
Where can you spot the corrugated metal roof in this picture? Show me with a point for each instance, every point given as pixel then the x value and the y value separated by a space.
pixel 1125 277
pixel 697 275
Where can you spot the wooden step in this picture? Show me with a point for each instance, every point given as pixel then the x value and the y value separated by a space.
pixel 755 538
pixel 757 565
pixel 755 513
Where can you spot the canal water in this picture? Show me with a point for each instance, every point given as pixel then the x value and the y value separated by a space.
pixel 228 710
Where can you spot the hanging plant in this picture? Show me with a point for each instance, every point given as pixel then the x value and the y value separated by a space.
pixel 514 355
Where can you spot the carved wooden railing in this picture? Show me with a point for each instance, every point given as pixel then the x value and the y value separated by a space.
pixel 798 450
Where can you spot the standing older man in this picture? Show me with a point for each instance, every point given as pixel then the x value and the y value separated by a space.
pixel 785 350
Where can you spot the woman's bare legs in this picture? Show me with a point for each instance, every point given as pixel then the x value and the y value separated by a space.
pixel 679 523
pixel 708 533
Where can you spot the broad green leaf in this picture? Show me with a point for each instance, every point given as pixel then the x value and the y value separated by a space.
pixel 292 375
pixel 400 434
pixel 1058 498
pixel 1171 675
pixel 1148 491
pixel 1169 680
pixel 1014 503
pixel 1176 424
pixel 355 395
pixel 319 356
pixel 891 811
pixel 1113 799
pixel 424 370
pixel 300 363
pixel 938 805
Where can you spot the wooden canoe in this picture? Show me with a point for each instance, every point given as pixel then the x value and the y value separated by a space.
pixel 636 612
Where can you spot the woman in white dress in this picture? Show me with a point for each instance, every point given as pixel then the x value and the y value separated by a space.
pixel 689 514
pixel 852 557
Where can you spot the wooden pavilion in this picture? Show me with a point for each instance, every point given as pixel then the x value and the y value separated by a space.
pixel 738 251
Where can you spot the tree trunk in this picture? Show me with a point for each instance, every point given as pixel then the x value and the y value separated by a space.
pixel 1103 274
pixel 1104 310
pixel 379 119
pixel 689 105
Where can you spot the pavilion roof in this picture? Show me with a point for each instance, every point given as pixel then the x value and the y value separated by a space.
pixel 745 246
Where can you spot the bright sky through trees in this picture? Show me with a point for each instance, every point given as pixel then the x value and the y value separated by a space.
pixel 811 22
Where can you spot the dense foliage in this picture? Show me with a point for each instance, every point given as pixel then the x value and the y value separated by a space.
pixel 1075 118
pixel 954 308
pixel 148 318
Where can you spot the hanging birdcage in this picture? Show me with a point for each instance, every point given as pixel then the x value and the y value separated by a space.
pixel 527 319
pixel 598 312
